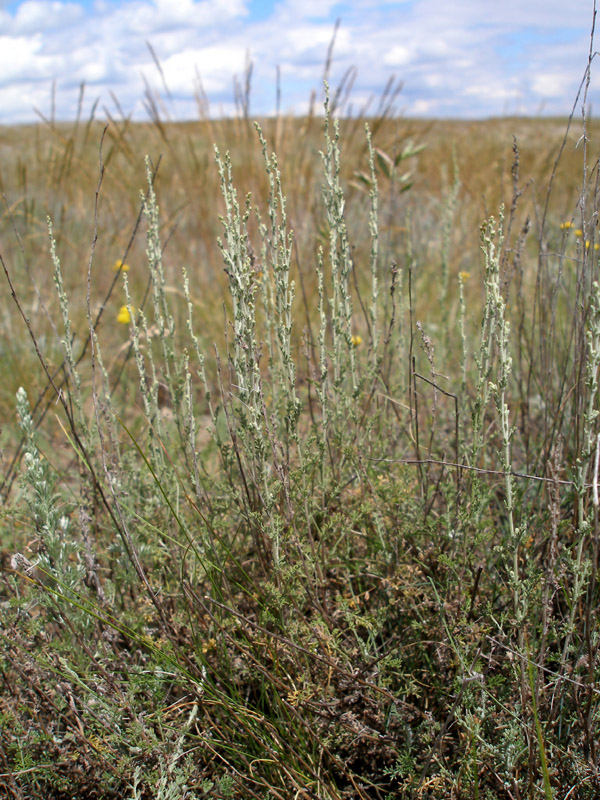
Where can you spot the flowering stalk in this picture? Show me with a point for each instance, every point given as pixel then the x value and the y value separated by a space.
pixel 582 566
pixel 374 256
pixel 56 546
pixel 341 265
pixel 67 342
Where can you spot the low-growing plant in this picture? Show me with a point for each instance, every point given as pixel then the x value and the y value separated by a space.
pixel 336 537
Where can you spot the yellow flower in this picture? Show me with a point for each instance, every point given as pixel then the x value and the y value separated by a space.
pixel 578 232
pixel 356 340
pixel 588 245
pixel 124 316
pixel 564 226
pixel 464 276
pixel 119 265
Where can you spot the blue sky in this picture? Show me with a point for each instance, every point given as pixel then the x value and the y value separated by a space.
pixel 456 58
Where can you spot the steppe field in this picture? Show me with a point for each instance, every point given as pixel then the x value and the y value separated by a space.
pixel 299 458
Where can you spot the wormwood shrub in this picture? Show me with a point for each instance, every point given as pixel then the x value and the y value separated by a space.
pixel 350 553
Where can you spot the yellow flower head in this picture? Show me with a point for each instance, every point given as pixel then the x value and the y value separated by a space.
pixel 588 245
pixel 564 226
pixel 578 232
pixel 464 276
pixel 124 316
pixel 356 340
pixel 119 265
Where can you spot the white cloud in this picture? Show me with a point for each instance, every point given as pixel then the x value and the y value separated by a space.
pixel 397 56
pixel 465 57
pixel 214 64
pixel 551 84
pixel 34 16
pixel 424 108
pixel 18 54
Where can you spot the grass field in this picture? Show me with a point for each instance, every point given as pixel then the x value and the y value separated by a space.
pixel 310 515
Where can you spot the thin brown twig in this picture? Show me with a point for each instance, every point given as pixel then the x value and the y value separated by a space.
pixel 443 463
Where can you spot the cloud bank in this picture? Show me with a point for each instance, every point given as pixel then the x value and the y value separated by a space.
pixel 466 58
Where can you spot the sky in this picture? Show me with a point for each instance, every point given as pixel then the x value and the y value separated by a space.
pixel 454 58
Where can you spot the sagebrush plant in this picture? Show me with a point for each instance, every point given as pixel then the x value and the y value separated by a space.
pixel 316 523
pixel 57 558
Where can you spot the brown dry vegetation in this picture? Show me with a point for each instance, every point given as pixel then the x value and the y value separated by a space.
pixel 54 170
pixel 383 651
